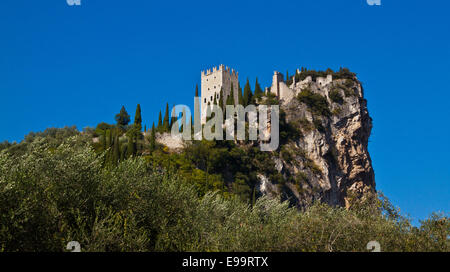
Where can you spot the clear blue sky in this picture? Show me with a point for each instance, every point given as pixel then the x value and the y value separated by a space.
pixel 77 65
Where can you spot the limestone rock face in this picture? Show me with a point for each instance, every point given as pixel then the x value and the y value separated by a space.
pixel 330 158
pixel 174 143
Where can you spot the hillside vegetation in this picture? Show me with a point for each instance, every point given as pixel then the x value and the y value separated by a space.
pixel 49 196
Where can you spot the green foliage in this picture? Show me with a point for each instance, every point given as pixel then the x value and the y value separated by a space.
pixel 258 90
pixel 152 140
pixel 160 124
pixel 336 111
pixel 318 125
pixel 116 151
pixel 166 121
pixel 306 125
pixel 138 118
pixel 335 96
pixel 230 98
pixel 269 99
pixel 122 118
pixel 49 197
pixel 289 80
pixel 314 167
pixel 288 130
pixel 51 136
pixel 247 93
pixel 343 73
pixel 240 96
pixel 131 148
pixel 316 103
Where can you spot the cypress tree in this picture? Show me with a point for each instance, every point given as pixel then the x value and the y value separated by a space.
pixel 287 76
pixel 123 153
pixel 116 147
pixel 183 121
pixel 131 149
pixel 240 96
pixel 253 196
pixel 166 121
pixel 230 98
pixel 208 112
pixel 104 140
pixel 258 90
pixel 152 138
pixel 247 93
pixel 172 119
pixel 108 138
pixel 138 118
pixel 196 90
pixel 160 124
pixel 221 98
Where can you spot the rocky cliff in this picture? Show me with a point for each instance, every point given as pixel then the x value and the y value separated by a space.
pixel 328 159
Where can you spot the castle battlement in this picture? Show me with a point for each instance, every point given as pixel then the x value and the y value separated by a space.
pixel 220 68
pixel 215 80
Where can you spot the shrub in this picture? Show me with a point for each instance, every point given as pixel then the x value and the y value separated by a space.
pixel 336 96
pixel 316 103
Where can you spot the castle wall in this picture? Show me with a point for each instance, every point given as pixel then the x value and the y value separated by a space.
pixel 322 81
pixel 276 79
pixel 211 83
pixel 286 93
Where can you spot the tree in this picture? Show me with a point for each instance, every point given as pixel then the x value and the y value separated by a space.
pixel 122 118
pixel 240 96
pixel 138 118
pixel 152 139
pixel 104 144
pixel 247 93
pixel 108 138
pixel 196 90
pixel 166 121
pixel 221 98
pixel 160 124
pixel 230 98
pixel 131 149
pixel 258 90
pixel 173 119
pixel 116 150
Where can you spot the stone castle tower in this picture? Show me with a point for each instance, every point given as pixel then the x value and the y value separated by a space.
pixel 220 78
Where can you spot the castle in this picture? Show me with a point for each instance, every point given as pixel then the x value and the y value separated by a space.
pixel 225 79
pixel 213 81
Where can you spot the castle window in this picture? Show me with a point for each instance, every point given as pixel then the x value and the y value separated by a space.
pixel 214 87
pixel 211 98
pixel 205 100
